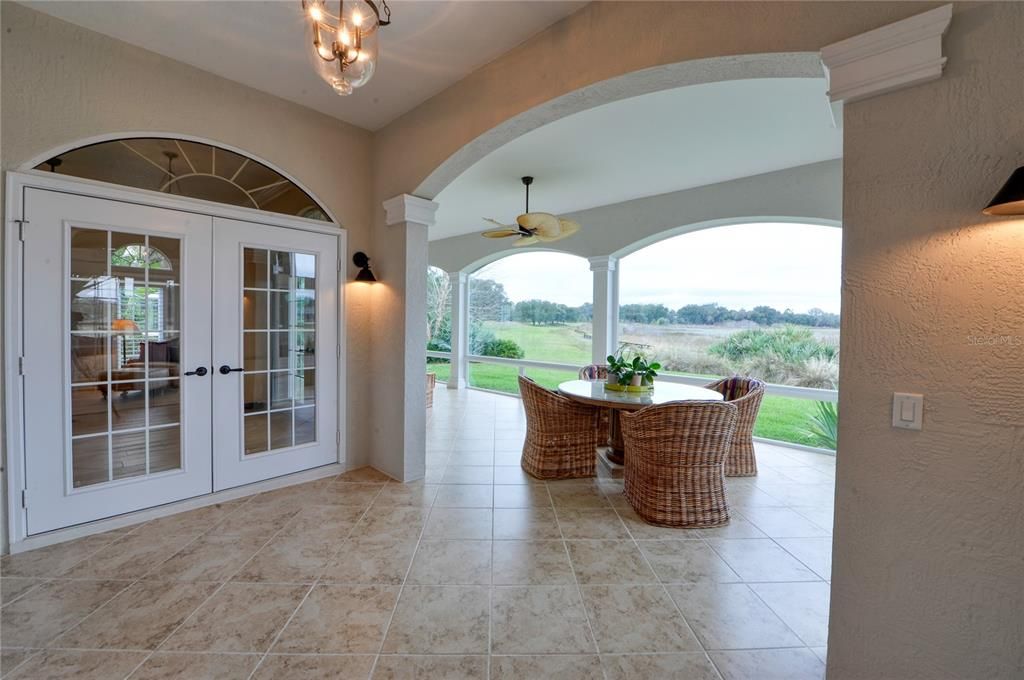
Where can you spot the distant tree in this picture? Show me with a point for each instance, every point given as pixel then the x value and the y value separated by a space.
pixel 487 299
pixel 439 309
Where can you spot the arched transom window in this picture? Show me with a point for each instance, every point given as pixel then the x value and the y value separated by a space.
pixel 187 168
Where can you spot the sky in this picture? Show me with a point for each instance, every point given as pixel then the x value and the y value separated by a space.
pixel 794 266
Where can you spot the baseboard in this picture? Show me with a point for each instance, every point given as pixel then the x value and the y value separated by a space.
pixel 140 516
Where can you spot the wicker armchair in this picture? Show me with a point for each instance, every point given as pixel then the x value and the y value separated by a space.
pixel 561 435
pixel 675 454
pixel 595 372
pixel 746 394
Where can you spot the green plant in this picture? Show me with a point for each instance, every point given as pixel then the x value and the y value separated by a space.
pixel 625 369
pixel 500 347
pixel 823 425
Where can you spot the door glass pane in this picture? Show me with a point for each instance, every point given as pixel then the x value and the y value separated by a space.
pixel 276 373
pixel 90 463
pixel 254 308
pixel 88 410
pixel 125 344
pixel 254 351
pixel 256 433
pixel 164 449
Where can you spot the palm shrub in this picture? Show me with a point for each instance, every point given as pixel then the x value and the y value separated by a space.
pixel 823 425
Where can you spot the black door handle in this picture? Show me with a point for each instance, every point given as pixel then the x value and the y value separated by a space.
pixel 225 369
pixel 201 371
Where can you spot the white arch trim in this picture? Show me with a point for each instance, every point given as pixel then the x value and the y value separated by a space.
pixel 722 222
pixel 133 134
pixel 479 264
pixel 644 81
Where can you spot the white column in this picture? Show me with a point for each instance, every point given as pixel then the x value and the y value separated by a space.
pixel 400 340
pixel 460 329
pixel 606 306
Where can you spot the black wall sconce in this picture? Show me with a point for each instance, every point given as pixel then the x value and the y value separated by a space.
pixel 1010 199
pixel 361 260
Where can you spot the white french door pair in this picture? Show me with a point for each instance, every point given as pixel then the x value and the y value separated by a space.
pixel 168 355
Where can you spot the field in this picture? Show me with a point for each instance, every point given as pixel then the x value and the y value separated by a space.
pixel 781 418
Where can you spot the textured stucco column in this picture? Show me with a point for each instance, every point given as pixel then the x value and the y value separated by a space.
pixel 399 389
pixel 460 329
pixel 606 306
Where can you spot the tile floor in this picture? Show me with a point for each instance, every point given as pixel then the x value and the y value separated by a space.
pixel 476 572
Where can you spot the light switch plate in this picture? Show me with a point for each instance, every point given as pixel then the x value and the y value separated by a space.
pixel 907 410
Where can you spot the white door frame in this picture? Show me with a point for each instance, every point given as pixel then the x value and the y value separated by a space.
pixel 15 185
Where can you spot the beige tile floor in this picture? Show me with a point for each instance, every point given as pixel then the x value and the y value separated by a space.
pixel 476 572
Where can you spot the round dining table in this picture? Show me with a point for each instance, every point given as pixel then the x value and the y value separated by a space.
pixel 594 393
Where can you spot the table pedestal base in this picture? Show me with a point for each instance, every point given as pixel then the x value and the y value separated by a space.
pixel 607 457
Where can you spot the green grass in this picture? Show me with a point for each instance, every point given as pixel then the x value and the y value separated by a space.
pixel 784 419
pixel 781 418
pixel 560 344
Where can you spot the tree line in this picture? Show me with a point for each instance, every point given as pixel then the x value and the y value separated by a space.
pixel 488 301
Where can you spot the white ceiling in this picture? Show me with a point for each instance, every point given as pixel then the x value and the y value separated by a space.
pixel 644 146
pixel 429 46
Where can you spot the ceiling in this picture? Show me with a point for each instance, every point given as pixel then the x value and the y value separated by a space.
pixel 429 46
pixel 645 146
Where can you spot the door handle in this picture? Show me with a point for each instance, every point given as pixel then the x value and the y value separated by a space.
pixel 225 369
pixel 201 371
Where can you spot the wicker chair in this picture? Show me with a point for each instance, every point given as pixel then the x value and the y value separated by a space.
pixel 675 454
pixel 595 372
pixel 561 435
pixel 746 394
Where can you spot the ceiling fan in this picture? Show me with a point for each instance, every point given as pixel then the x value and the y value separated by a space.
pixel 533 227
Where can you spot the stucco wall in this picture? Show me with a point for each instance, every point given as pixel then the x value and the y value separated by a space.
pixel 928 579
pixel 929 529
pixel 813 193
pixel 61 83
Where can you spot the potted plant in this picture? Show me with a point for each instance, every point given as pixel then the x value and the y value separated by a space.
pixel 631 375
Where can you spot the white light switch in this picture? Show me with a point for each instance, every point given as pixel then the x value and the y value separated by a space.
pixel 907 410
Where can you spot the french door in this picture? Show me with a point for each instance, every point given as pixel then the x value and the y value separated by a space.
pixel 168 354
pixel 275 345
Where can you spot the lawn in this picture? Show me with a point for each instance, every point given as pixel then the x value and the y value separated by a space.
pixel 561 344
pixel 781 418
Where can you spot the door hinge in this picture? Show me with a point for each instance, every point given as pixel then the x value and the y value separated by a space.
pixel 337 437
pixel 339 265
pixel 337 351
pixel 21 229
pixel 24 498
pixel 21 365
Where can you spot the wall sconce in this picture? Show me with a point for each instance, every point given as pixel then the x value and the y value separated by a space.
pixel 361 260
pixel 1010 199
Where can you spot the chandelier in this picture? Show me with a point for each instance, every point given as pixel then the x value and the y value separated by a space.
pixel 345 44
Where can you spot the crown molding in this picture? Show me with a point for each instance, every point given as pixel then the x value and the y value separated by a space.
pixel 902 54
pixel 409 208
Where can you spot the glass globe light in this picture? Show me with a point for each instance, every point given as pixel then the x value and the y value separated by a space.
pixel 344 48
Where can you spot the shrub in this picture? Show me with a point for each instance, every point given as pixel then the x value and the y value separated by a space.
pixel 508 349
pixel 792 345
pixel 823 425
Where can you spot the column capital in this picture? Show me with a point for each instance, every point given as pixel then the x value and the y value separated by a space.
pixel 411 209
pixel 459 277
pixel 603 263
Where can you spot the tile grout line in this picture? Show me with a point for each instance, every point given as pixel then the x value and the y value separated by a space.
pixel 129 583
pixel 222 584
pixel 579 589
pixel 664 590
pixel 315 583
pixel 401 589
